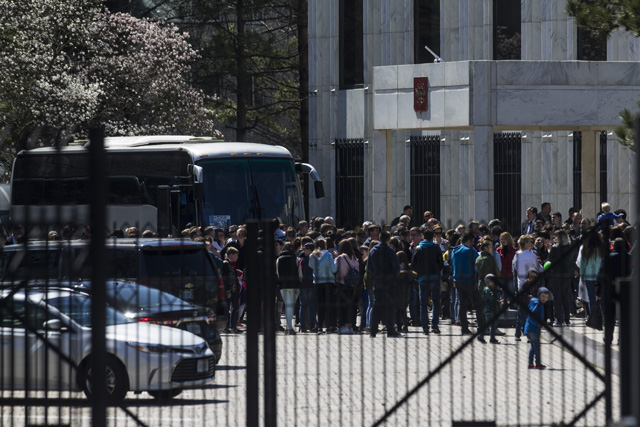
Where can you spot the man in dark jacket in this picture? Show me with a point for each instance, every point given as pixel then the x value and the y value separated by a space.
pixel 384 266
pixel 288 275
pixel 616 265
pixel 428 264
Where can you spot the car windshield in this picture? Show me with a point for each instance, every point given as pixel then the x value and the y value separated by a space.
pixel 78 309
pixel 142 297
pixel 177 262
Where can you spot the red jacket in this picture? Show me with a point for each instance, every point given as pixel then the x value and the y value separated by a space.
pixel 506 258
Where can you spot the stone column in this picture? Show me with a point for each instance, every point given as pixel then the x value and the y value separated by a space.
pixel 381 172
pixel 483 173
pixel 590 174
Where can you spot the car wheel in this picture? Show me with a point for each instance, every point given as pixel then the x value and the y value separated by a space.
pixel 116 378
pixel 165 394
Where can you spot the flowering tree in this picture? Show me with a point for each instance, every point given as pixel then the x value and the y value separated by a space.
pixel 65 64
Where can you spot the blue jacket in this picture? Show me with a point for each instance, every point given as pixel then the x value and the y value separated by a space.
pixel 532 325
pixel 463 261
pixel 383 265
pixel 324 268
pixel 610 216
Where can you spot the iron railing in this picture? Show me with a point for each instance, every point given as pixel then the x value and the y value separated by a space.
pixel 507 179
pixel 425 176
pixel 350 195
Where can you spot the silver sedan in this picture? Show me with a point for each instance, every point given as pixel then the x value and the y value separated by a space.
pixel 46 345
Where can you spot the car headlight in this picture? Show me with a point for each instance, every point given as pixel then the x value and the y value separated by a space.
pixel 149 348
pixel 161 348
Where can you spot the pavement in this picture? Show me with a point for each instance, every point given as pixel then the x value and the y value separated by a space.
pixel 330 380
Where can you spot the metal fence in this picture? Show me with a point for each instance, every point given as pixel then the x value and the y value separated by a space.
pixel 349 182
pixel 425 175
pixel 328 373
pixel 603 166
pixel 507 179
pixel 577 169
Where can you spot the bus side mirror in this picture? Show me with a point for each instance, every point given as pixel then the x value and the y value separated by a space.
pixel 319 188
pixel 198 191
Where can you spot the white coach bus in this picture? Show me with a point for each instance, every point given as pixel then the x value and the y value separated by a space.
pixel 162 183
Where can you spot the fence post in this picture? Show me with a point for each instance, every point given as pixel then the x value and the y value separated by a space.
pixel 253 324
pixel 630 321
pixel 270 386
pixel 98 199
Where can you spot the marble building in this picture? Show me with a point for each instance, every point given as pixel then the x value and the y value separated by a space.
pixel 546 96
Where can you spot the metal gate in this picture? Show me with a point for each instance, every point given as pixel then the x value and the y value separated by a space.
pixel 349 182
pixel 425 175
pixel 264 375
pixel 507 167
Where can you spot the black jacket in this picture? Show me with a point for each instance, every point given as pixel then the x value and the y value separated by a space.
pixel 427 261
pixel 287 267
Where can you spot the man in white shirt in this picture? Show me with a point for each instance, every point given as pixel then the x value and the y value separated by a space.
pixel 523 262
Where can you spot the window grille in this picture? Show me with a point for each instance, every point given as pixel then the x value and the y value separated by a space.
pixel 577 169
pixel 603 166
pixel 425 176
pixel 507 167
pixel 349 182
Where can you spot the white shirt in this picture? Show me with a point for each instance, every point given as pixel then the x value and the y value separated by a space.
pixel 523 263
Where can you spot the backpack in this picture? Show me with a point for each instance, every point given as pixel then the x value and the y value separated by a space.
pixel 352 278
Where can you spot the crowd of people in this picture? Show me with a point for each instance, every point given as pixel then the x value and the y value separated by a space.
pixel 332 280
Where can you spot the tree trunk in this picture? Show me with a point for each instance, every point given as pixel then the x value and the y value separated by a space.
pixel 243 86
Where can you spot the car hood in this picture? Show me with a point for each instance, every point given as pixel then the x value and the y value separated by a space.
pixel 142 332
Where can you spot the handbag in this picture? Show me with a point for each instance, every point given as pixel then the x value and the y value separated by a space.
pixel 595 318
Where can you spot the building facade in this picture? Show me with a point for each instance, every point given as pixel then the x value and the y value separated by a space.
pixel 520 111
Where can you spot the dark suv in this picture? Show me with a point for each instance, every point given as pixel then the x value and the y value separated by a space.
pixel 179 267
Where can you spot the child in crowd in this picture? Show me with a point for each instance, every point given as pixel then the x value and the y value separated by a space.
pixel 405 280
pixel 491 298
pixel 532 326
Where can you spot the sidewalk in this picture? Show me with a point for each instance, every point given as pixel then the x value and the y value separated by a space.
pixel 589 342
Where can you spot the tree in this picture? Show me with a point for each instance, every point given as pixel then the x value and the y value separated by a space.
pixel 65 64
pixel 251 58
pixel 602 17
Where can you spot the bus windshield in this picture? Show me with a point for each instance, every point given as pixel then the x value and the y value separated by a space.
pixel 239 189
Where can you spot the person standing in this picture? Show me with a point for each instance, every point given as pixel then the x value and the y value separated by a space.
pixel 428 264
pixel 524 262
pixel 532 327
pixel 530 224
pixel 289 282
pixel 562 258
pixel 507 251
pixel 324 270
pixel 463 259
pixel 347 281
pixel 491 298
pixel 232 289
pixel 408 211
pixel 591 258
pixel 307 315
pixel 383 265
